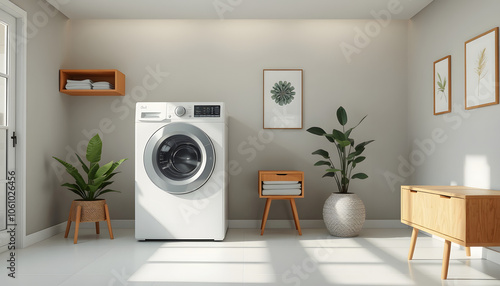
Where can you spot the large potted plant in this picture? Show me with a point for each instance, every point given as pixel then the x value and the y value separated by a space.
pixel 343 212
pixel 90 208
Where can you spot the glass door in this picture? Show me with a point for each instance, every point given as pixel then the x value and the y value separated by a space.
pixel 7 130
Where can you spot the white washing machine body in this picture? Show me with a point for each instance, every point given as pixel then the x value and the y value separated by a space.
pixel 181 171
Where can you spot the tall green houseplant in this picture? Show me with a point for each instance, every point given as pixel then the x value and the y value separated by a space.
pixel 98 177
pixel 349 153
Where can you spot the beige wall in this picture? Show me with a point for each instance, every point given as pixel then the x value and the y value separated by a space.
pixel 47 122
pixel 223 61
pixel 469 152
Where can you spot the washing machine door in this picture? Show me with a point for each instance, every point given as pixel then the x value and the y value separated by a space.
pixel 179 158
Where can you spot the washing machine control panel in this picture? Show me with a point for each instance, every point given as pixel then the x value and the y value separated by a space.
pixel 207 111
pixel 195 112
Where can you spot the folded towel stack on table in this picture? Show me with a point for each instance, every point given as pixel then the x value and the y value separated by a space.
pixel 102 85
pixel 78 84
pixel 281 188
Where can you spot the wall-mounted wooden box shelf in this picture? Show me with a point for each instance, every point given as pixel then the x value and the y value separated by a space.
pixel 115 77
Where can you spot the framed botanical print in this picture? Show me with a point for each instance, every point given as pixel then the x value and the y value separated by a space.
pixel 282 89
pixel 442 85
pixel 481 70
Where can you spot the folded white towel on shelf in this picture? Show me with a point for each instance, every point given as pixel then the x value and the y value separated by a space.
pixel 279 182
pixel 102 87
pixel 79 81
pixel 283 186
pixel 78 86
pixel 282 192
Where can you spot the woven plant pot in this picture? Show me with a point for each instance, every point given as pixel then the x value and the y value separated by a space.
pixel 344 214
pixel 92 211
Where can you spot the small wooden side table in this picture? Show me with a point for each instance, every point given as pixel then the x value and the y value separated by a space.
pixel 281 176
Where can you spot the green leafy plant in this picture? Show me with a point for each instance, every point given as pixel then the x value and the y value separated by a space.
pixel 349 154
pixel 283 92
pixel 98 177
pixel 442 86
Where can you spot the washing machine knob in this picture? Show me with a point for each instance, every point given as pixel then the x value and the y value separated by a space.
pixel 180 111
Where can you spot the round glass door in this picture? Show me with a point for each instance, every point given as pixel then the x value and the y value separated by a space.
pixel 179 158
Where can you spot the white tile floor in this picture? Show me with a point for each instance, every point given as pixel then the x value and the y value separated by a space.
pixel 280 257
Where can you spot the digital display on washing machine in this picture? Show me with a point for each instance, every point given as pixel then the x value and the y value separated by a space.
pixel 207 111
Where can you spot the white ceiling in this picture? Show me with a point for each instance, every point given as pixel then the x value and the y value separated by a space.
pixel 235 9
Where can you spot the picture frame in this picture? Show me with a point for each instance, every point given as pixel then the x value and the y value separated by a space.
pixel 282 98
pixel 481 70
pixel 442 85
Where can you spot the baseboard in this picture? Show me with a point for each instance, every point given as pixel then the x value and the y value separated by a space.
pixel 43 234
pixel 492 255
pixel 476 252
pixel 130 224
pixel 310 224
pixel 118 224
pixel 57 229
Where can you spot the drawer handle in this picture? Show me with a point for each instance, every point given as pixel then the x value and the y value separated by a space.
pixel 281 174
pixel 444 197
pixel 412 191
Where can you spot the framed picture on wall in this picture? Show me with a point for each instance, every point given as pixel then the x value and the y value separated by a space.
pixel 442 85
pixel 282 98
pixel 481 70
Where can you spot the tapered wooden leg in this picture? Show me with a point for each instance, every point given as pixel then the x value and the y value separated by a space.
pixel 97 230
pixel 266 213
pixel 446 259
pixel 109 222
pixel 467 251
pixel 413 242
pixel 68 225
pixel 295 215
pixel 263 216
pixel 77 224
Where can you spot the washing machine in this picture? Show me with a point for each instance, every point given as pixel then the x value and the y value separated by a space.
pixel 181 171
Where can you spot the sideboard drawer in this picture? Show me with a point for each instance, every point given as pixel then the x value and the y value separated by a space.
pixel 436 212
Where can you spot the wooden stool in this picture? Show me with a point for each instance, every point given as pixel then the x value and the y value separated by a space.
pixel 88 211
pixel 281 176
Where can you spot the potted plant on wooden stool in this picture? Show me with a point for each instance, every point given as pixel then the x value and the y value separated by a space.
pixel 343 212
pixel 89 208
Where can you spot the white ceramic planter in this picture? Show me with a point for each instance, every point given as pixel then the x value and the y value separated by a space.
pixel 344 214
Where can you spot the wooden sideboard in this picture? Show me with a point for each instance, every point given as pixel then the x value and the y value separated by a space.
pixel 463 215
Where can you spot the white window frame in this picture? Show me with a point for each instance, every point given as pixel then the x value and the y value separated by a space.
pixel 21 55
